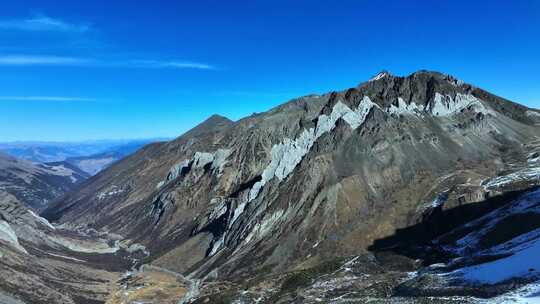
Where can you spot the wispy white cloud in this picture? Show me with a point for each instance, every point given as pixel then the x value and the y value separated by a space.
pixel 46 98
pixel 169 64
pixel 42 23
pixel 40 60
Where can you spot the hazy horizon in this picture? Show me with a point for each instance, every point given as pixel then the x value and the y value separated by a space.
pixel 84 141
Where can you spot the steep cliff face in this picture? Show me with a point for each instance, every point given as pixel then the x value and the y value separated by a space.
pixel 36 185
pixel 317 178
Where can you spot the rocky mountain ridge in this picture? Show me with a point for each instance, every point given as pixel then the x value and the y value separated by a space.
pixel 318 179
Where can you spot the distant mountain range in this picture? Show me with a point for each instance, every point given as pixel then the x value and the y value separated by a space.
pixel 89 156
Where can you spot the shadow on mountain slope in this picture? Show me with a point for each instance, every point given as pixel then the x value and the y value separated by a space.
pixel 412 241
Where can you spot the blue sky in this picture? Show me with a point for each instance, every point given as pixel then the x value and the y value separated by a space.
pixel 78 70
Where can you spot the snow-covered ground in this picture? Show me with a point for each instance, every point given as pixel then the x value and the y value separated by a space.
pixel 528 294
pixel 524 262
pixel 519 256
pixel 529 202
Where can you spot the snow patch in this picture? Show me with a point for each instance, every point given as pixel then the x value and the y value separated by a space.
pixel 524 263
pixel 528 294
pixel 438 201
pixel 519 255
pixel 526 203
pixel 381 75
pixel 112 192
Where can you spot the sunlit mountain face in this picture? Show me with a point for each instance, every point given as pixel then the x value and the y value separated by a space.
pixel 418 182
pixel 179 152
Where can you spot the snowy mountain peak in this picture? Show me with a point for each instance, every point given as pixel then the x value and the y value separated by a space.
pixel 381 75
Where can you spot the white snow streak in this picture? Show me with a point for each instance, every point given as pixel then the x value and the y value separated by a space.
pixel 528 294
pixel 524 263
pixel 381 75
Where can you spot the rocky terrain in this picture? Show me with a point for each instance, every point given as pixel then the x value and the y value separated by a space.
pixel 41 263
pixel 36 185
pixel 414 189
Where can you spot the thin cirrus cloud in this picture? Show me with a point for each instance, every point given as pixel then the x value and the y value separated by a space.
pixel 169 64
pixel 43 23
pixel 46 98
pixel 40 60
pixel 22 60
